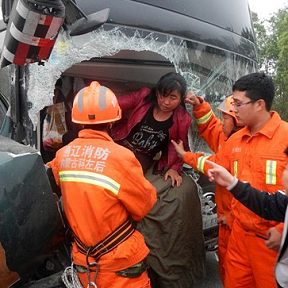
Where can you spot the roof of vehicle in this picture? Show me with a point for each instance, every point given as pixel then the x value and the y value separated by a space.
pixel 216 23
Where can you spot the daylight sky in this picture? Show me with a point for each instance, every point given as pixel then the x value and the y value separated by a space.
pixel 264 8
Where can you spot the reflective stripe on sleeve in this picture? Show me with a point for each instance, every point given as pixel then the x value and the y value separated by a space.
pixel 90 178
pixel 271 172
pixel 205 118
pixel 200 163
pixel 235 166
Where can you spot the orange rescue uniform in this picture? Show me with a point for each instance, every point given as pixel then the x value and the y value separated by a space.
pixel 259 160
pixel 210 129
pixel 102 184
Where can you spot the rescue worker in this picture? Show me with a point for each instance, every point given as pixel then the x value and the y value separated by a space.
pixel 215 132
pixel 104 192
pixel 271 206
pixel 252 154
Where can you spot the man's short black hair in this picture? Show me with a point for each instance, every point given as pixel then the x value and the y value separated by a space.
pixel 257 86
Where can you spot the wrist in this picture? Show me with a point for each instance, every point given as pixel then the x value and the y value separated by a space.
pixel 232 184
pixel 201 100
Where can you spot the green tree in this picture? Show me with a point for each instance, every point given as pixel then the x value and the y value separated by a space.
pixel 272 42
pixel 261 36
pixel 280 24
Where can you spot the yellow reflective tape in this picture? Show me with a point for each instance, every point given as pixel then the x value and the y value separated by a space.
pixel 204 119
pixel 271 172
pixel 235 166
pixel 90 178
pixel 200 163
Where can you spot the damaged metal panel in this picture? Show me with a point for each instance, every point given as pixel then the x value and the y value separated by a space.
pixel 30 223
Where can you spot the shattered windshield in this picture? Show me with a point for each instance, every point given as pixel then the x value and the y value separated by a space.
pixel 208 71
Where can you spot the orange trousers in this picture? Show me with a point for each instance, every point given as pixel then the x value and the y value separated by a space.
pixel 248 262
pixel 223 239
pixel 109 279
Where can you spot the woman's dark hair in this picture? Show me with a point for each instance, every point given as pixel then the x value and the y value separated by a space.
pixel 257 86
pixel 167 83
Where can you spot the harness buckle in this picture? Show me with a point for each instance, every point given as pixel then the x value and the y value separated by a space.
pixel 90 265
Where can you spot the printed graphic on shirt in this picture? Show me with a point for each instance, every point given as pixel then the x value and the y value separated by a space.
pixel 86 157
pixel 149 135
pixel 147 138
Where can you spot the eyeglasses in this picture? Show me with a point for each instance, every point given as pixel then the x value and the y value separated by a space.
pixel 240 104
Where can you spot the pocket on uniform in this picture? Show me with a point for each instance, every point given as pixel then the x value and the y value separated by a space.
pixel 270 170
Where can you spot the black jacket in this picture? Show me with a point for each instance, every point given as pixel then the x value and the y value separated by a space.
pixel 268 206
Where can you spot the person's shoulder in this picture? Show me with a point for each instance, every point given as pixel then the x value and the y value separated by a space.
pixel 182 113
pixel 125 158
pixel 276 118
pixel 143 92
pixel 181 110
pixel 284 124
pixel 136 96
pixel 122 151
pixel 232 139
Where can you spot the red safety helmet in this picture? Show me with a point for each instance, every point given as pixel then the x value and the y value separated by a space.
pixel 95 104
pixel 227 108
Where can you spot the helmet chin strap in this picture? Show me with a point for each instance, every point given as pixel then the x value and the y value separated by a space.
pixel 109 128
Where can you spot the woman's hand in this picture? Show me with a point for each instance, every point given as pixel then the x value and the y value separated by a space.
pixel 179 147
pixel 190 98
pixel 175 177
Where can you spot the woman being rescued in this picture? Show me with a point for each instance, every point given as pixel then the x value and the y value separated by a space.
pixel 156 116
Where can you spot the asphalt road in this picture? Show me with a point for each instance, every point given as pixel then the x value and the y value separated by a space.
pixel 212 279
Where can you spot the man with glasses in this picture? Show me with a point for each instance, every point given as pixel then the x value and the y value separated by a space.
pixel 252 155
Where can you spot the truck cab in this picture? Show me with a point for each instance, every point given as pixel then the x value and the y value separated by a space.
pixel 124 45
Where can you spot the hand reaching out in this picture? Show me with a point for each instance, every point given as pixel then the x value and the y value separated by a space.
pixel 179 147
pixel 219 174
pixel 190 98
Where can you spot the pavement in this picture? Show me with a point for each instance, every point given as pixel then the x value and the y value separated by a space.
pixel 212 279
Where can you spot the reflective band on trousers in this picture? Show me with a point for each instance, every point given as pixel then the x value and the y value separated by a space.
pixel 200 163
pixel 271 172
pixel 205 118
pixel 90 178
